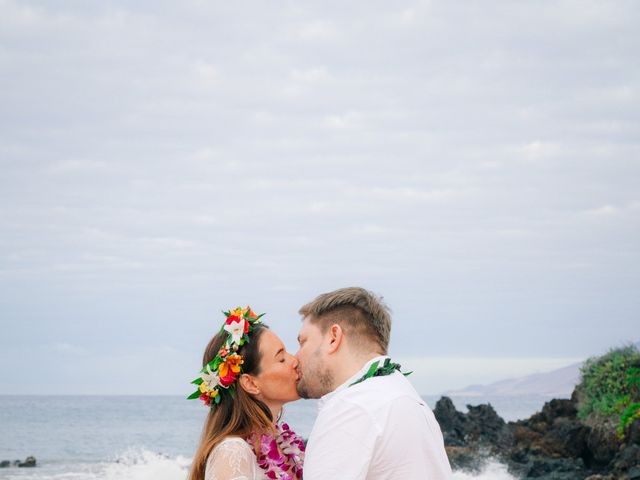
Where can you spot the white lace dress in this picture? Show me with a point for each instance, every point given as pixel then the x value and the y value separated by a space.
pixel 233 459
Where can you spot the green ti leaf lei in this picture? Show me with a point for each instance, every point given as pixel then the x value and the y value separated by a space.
pixel 375 370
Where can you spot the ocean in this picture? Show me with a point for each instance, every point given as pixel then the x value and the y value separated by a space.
pixel 145 437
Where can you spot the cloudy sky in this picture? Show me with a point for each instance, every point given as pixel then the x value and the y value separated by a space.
pixel 476 163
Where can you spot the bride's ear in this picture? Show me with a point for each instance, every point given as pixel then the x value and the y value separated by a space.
pixel 248 384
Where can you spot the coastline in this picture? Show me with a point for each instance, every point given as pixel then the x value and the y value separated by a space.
pixel 134 437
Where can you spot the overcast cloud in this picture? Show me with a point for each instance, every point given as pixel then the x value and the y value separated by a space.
pixel 477 163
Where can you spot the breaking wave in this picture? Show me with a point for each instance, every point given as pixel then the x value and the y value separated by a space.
pixel 493 470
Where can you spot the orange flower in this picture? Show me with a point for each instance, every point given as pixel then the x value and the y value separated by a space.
pixel 229 369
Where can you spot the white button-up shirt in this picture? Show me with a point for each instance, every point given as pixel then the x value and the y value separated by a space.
pixel 378 429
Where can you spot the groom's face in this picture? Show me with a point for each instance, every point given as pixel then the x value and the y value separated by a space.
pixel 315 378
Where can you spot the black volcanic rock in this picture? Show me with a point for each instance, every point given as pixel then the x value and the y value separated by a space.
pixel 555 469
pixel 486 427
pixel 464 458
pixel 634 432
pixel 452 422
pixel 555 431
pixel 603 444
pixel 568 437
pixel 556 408
pixel 553 444
pixel 627 458
pixel 29 462
pixel 481 426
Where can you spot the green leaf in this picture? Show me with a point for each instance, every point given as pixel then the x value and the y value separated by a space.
pixel 369 374
pixel 372 369
pixel 194 395
pixel 197 381
pixel 217 398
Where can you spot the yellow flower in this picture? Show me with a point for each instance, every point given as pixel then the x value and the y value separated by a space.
pixel 205 388
pixel 243 312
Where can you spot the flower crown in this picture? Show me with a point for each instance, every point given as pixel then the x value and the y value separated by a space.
pixel 219 375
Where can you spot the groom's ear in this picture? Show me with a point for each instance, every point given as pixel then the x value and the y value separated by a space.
pixel 336 335
pixel 248 384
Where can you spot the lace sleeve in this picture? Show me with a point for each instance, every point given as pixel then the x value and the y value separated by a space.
pixel 232 459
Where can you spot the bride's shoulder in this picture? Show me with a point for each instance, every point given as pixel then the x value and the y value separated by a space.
pixel 237 441
pixel 232 445
pixel 232 458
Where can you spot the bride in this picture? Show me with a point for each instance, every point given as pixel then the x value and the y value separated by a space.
pixel 246 379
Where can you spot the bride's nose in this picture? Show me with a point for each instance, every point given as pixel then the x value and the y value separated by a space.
pixel 294 361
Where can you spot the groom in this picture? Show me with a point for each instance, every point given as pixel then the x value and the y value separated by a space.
pixel 371 424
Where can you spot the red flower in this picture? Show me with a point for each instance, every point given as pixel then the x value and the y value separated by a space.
pixel 228 379
pixel 206 399
pixel 235 318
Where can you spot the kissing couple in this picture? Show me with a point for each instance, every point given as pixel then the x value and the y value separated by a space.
pixel 371 423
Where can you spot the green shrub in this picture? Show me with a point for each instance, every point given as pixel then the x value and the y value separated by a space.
pixel 633 378
pixel 611 387
pixel 628 417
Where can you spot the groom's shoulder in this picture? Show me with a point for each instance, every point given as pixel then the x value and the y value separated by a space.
pixel 377 392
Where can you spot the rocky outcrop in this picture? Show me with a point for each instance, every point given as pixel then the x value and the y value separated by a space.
pixel 552 444
pixel 28 462
pixel 480 426
pixel 452 422
pixel 487 428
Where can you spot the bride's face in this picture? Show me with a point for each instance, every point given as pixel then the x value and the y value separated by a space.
pixel 278 376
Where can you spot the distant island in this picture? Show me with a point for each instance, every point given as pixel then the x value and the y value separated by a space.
pixel 557 383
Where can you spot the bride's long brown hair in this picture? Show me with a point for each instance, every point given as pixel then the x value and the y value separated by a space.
pixel 239 415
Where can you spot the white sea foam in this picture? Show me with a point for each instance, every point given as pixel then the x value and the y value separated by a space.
pixel 146 465
pixel 134 464
pixel 141 464
pixel 492 471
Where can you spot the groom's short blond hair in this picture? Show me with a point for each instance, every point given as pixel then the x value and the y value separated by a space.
pixel 362 315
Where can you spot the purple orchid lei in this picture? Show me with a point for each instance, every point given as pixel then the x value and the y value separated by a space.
pixel 281 456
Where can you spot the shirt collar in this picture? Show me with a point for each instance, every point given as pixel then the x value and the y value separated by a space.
pixel 325 398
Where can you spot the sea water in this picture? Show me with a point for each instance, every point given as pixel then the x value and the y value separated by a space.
pixel 146 437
